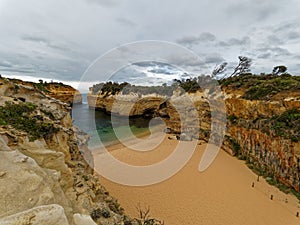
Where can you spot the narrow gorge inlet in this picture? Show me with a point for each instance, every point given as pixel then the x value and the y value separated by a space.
pixel 132 112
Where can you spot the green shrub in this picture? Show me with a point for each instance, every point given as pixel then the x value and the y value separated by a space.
pixel 233 119
pixel 267 86
pixel 287 124
pixel 96 214
pixel 20 117
pixel 261 92
pixel 105 213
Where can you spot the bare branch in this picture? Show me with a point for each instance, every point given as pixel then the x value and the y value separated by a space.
pixel 219 69
pixel 242 67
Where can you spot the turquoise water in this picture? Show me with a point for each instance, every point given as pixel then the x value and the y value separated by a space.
pixel 99 125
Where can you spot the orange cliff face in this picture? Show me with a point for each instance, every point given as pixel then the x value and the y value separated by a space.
pixel 64 93
pixel 262 131
pixel 254 134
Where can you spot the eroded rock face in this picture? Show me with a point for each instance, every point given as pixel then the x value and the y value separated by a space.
pixel 64 93
pixel 49 169
pixel 129 105
pixel 60 91
pixel 248 137
pixel 26 185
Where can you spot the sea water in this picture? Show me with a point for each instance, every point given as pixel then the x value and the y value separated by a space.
pixel 102 127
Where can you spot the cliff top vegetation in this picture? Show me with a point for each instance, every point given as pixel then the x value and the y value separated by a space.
pixel 254 87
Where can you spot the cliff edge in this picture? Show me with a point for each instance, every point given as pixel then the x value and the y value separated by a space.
pixel 44 178
pixel 60 91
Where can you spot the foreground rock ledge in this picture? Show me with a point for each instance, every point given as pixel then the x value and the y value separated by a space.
pixel 44 179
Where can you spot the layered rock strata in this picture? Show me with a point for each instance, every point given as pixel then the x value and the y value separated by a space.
pixel 257 129
pixel 44 178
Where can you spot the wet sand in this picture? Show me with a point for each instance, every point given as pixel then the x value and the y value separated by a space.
pixel 221 195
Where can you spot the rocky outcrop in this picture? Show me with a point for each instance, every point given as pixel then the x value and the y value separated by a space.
pixel 171 109
pixel 60 91
pixel 127 105
pixel 64 93
pixel 44 177
pixel 45 215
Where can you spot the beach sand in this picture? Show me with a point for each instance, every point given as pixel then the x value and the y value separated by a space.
pixel 221 195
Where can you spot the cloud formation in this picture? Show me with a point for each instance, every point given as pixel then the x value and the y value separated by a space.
pixel 60 39
pixel 194 40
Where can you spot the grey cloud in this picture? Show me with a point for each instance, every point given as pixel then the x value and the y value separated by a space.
pixel 16 71
pixel 257 10
pixel 156 67
pixel 160 71
pixel 60 39
pixel 150 63
pixel 235 42
pixel 14 67
pixel 284 33
pixel 45 42
pixel 202 64
pixel 194 40
pixel 214 59
pixel 186 61
pixel 274 39
pixel 105 3
pixel 53 68
pixel 293 35
pixel 285 27
pixel 264 56
pixel 271 52
pixel 35 39
pixel 6 64
pixel 126 22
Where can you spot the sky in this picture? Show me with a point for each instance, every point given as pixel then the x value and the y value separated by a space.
pixel 62 39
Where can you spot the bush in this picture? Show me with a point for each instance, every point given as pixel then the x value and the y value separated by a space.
pixel 267 86
pixel 20 117
pixel 105 213
pixel 261 92
pixel 96 214
pixel 287 124
pixel 233 119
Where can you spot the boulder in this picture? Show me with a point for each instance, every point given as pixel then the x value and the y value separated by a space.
pixel 80 219
pixel 41 215
pixel 185 137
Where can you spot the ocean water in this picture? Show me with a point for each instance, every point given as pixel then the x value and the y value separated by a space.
pixel 107 129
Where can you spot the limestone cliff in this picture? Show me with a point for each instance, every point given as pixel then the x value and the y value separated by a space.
pixel 60 91
pixel 64 93
pixel 263 119
pixel 44 178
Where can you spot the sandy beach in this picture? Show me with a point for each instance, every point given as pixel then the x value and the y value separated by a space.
pixel 221 195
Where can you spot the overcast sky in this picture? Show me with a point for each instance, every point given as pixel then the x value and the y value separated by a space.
pixel 59 39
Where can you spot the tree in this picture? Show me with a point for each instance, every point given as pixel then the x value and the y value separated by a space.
pixel 242 67
pixel 219 69
pixel 279 70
